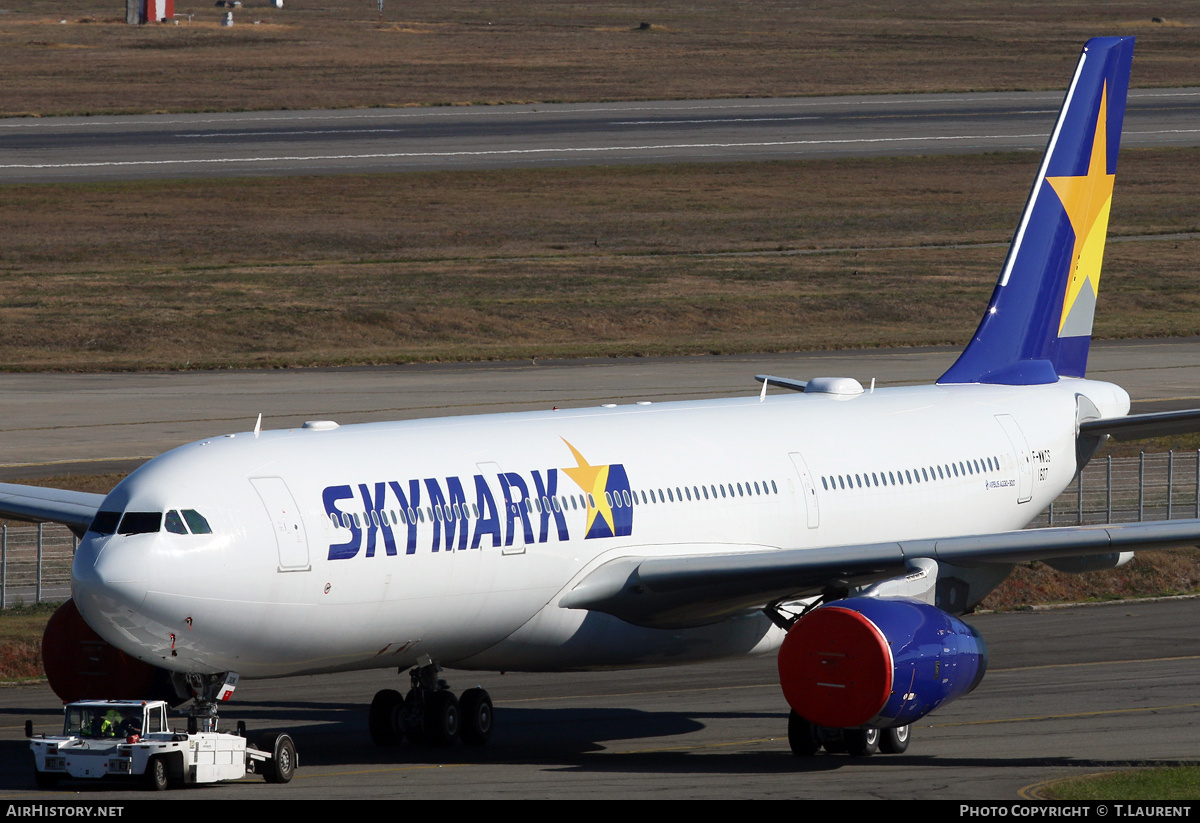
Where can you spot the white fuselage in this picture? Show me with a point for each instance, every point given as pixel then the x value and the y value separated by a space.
pixel 300 574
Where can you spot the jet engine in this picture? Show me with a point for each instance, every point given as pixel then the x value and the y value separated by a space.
pixel 81 665
pixel 880 662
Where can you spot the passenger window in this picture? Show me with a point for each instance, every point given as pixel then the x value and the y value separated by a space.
pixel 174 523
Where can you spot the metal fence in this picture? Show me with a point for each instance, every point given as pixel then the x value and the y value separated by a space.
pixel 1160 486
pixel 35 559
pixel 35 563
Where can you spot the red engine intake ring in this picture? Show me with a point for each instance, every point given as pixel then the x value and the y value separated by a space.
pixel 835 668
pixel 81 665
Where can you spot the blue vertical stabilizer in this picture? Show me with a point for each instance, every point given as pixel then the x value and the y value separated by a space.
pixel 1038 324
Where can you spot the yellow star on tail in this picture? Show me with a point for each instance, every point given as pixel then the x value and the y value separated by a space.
pixel 1087 199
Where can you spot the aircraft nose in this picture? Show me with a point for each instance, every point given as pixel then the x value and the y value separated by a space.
pixel 110 574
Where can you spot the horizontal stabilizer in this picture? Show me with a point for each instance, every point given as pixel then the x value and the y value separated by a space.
pixel 1142 426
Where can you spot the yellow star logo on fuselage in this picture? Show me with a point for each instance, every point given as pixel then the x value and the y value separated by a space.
pixel 593 480
pixel 1087 199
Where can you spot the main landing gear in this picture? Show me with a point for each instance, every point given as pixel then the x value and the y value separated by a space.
pixel 807 739
pixel 430 713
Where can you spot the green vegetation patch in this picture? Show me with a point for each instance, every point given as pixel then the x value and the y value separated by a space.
pixel 1151 784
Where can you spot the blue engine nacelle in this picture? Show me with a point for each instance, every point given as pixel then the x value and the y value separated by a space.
pixel 884 662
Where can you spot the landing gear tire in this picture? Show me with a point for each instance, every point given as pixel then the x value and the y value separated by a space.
pixel 894 741
pixel 832 740
pixel 802 736
pixel 442 719
pixel 157 774
pixel 412 717
pixel 475 710
pixel 384 718
pixel 282 765
pixel 861 742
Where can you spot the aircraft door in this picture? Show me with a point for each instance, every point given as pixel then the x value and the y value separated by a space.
pixel 808 488
pixel 291 541
pixel 1020 447
pixel 514 504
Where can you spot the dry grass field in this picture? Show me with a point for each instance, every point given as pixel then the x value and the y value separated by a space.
pixel 81 57
pixel 551 263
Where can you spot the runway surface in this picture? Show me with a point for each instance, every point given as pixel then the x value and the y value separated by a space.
pixel 485 137
pixel 1069 692
pixel 54 424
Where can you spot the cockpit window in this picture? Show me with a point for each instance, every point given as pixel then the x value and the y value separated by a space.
pixel 174 523
pixel 105 522
pixel 196 522
pixel 140 522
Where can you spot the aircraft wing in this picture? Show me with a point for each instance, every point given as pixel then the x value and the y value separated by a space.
pixel 74 510
pixel 1141 426
pixel 676 592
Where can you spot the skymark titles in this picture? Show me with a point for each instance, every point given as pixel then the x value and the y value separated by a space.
pixel 459 513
